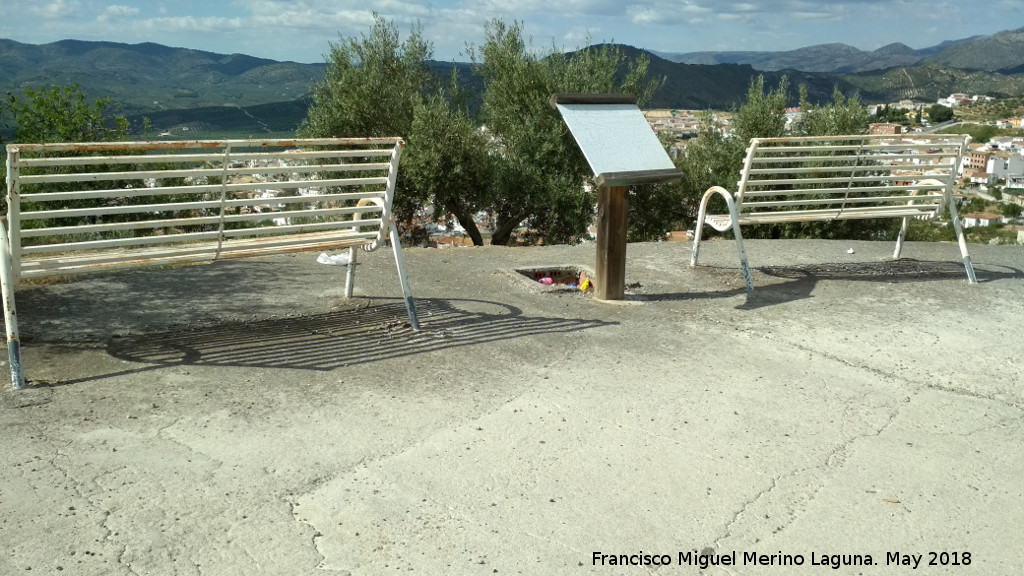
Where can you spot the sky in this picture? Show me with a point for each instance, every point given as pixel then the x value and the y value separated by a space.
pixel 303 30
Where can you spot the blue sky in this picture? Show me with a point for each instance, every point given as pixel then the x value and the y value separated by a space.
pixel 302 30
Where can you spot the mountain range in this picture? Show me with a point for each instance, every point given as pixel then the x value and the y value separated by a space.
pixel 235 94
pixel 1002 52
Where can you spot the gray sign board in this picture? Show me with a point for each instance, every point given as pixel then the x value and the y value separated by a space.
pixel 615 138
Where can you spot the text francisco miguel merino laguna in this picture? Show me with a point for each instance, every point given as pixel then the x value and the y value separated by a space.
pixel 834 561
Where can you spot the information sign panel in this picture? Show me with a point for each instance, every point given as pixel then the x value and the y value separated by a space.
pixel 615 138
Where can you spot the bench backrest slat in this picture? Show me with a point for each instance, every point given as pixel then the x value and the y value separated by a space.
pixel 821 201
pixel 924 186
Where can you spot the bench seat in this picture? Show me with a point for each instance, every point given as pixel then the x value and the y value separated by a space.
pixel 68 263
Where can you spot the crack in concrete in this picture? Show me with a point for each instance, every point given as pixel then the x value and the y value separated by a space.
pixel 797 503
pixel 317 535
pixel 121 561
pixel 975 395
pixel 743 509
pixel 888 376
pixel 78 486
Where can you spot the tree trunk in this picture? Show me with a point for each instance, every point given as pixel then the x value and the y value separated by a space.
pixel 466 219
pixel 503 231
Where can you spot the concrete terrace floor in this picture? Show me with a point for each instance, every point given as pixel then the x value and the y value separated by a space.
pixel 244 418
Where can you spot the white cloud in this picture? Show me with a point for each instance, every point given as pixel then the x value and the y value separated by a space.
pixel 119 10
pixel 54 8
pixel 643 15
pixel 116 12
pixel 695 8
pixel 579 36
pixel 325 13
pixel 190 24
pixel 815 16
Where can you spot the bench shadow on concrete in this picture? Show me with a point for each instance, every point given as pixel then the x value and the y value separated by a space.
pixel 377 332
pixel 797 281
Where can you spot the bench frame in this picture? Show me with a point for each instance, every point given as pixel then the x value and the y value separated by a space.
pixel 92 207
pixel 804 179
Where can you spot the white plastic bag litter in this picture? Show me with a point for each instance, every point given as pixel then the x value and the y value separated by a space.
pixel 335 260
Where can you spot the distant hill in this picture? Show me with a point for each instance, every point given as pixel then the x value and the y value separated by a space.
pixel 150 77
pixel 697 86
pixel 998 52
pixel 831 58
pixel 1002 52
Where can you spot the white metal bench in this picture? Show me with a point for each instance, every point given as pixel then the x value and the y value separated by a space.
pixel 840 178
pixel 87 207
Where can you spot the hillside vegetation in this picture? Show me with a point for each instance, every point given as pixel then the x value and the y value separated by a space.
pixel 991 111
pixel 930 82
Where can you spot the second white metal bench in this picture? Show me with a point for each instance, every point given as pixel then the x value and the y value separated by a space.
pixel 806 179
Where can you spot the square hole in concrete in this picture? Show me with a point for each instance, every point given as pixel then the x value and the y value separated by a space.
pixel 555 278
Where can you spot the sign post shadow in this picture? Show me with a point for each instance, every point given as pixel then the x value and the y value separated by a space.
pixel 622 150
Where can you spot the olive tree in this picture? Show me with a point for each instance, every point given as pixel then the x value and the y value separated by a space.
pixel 541 172
pixel 371 85
pixel 710 159
pixel 763 114
pixel 514 159
pixel 371 88
pixel 451 161
pixel 842 116
pixel 938 113
pixel 62 114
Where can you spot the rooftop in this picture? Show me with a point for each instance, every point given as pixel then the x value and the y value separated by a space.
pixel 243 417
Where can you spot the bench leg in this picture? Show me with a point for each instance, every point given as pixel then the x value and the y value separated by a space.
pixel 698 227
pixel 410 306
pixel 903 235
pixel 701 214
pixel 962 241
pixel 742 253
pixel 734 217
pixel 350 272
pixel 10 311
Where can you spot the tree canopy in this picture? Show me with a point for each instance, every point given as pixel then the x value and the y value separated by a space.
pixel 939 113
pixel 371 88
pixel 62 114
pixel 512 156
pixel 842 116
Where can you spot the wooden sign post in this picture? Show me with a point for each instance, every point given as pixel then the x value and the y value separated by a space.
pixel 622 150
pixel 612 209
